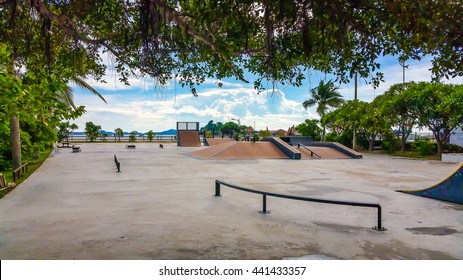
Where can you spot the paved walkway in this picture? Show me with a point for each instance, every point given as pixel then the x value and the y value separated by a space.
pixel 161 206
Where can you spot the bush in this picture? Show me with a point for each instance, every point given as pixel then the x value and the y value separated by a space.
pixel 452 148
pixel 426 148
pixel 391 145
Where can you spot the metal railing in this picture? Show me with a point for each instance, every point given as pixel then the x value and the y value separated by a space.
pixel 312 153
pixel 264 194
pixel 118 164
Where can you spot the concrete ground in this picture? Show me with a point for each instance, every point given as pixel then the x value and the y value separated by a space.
pixel 161 206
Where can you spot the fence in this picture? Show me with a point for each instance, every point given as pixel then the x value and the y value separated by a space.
pixel 125 138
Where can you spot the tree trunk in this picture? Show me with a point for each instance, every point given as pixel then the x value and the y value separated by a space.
pixel 354 139
pixel 440 148
pixel 372 144
pixel 323 134
pixel 15 141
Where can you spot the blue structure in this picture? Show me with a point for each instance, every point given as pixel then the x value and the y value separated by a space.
pixel 450 189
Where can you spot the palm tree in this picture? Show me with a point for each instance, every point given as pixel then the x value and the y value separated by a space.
pixel 325 96
pixel 65 95
pixel 118 133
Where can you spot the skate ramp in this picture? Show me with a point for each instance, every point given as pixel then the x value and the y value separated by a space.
pixel 241 150
pixel 217 141
pixel 332 150
pixel 189 138
pixel 321 153
pixel 450 189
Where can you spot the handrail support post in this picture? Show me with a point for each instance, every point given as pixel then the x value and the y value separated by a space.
pixel 379 227
pixel 217 188
pixel 264 205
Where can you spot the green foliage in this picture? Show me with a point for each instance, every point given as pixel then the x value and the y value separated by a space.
pixel 133 136
pixel 230 126
pixel 264 133
pixel 397 107
pixel 426 148
pixel 36 100
pixel 438 107
pixel 150 135
pixel 65 129
pixel 194 40
pixel 212 127
pixel 452 148
pixel 390 143
pixel 92 131
pixel 362 116
pixel 310 128
pixel 118 133
pixel 326 97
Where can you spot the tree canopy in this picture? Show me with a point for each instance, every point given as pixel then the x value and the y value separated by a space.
pixel 192 40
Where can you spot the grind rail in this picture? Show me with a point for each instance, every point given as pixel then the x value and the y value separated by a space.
pixel 264 194
pixel 312 153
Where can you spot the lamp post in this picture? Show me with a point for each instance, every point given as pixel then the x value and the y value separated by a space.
pixel 354 137
pixel 237 120
pixel 402 63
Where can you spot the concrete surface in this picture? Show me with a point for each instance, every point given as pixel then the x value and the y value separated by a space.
pixel 161 206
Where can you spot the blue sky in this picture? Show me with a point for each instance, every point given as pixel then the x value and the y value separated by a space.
pixel 144 106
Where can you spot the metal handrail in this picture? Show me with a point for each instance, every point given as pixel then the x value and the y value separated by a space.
pixel 379 226
pixel 312 153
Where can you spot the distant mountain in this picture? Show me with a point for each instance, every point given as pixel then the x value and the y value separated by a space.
pixel 167 132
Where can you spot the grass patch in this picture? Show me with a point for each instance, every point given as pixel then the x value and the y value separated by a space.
pixel 33 165
pixel 414 154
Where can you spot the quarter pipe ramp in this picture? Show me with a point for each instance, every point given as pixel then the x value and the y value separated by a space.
pixel 450 189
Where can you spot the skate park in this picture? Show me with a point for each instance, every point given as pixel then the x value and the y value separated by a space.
pixel 161 205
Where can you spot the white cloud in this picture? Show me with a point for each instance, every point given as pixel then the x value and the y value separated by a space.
pixel 142 113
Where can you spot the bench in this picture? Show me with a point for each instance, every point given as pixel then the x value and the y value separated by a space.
pixel 75 149
pixel 130 146
pixel 64 145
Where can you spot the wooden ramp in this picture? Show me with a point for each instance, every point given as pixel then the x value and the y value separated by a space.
pixel 241 150
pixel 217 141
pixel 189 138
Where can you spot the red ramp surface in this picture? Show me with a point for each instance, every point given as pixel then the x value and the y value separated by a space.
pixel 189 138
pixel 217 141
pixel 323 152
pixel 241 150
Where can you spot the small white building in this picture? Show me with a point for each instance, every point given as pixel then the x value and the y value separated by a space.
pixel 456 137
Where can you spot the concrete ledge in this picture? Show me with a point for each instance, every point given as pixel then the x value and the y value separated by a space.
pixel 453 157
pixel 343 149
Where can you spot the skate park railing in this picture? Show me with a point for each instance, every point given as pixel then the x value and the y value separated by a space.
pixel 264 194
pixel 312 153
